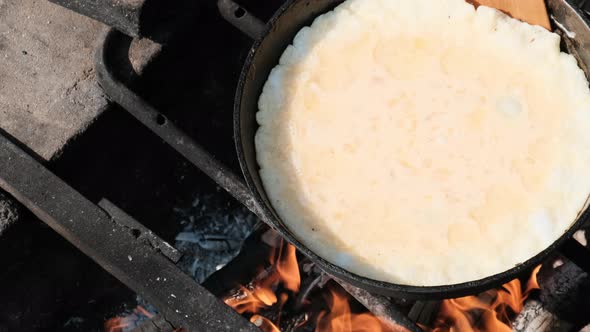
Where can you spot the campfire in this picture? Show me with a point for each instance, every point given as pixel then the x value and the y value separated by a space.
pixel 289 293
pixel 98 157
pixel 274 300
pixel 492 310
pixel 277 289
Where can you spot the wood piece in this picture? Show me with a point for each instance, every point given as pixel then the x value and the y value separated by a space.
pixel 530 11
pixel 536 318
pixel 381 307
pixel 559 305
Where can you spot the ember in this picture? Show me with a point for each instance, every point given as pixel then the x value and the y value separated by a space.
pixel 129 322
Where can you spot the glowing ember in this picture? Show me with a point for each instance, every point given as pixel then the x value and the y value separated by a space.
pixel 121 324
pixel 489 311
pixel 116 324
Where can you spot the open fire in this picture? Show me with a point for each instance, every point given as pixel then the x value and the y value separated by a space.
pixel 276 301
pixel 277 286
pixel 492 310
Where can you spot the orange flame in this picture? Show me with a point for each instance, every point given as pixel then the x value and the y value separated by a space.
pixel 490 311
pixel 285 271
pixel 250 301
pixel 340 318
pixel 288 269
pixel 115 324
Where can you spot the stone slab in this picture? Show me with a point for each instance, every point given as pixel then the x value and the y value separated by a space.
pixel 48 91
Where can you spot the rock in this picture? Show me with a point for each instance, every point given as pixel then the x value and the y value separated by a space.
pixel 48 93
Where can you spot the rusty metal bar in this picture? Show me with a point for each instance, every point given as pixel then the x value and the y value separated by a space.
pixel 113 245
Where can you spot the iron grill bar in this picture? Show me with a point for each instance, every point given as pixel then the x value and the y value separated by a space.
pixel 113 246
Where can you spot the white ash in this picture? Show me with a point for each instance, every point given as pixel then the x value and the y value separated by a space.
pixel 214 232
pixel 535 318
pixel 560 304
pixel 9 212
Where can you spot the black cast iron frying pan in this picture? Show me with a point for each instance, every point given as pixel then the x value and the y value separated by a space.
pixel 271 41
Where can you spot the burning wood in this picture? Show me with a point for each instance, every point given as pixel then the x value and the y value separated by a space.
pixel 278 287
pixel 276 301
pixel 558 306
pixel 489 311
pixel 380 306
pixel 340 318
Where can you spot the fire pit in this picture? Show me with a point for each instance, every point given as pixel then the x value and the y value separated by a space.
pixel 226 269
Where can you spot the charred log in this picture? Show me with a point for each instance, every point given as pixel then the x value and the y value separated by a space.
pixel 557 306
pixel 381 307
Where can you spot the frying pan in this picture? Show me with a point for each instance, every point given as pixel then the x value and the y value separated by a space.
pixel 270 41
pixel 264 55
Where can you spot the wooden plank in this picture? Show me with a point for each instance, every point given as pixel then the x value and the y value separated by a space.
pixel 530 11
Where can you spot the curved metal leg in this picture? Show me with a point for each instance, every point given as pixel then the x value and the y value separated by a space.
pixel 108 58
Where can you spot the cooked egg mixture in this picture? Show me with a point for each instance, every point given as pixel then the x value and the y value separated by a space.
pixel 425 142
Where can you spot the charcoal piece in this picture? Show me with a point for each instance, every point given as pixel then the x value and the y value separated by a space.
pixel 559 305
pixel 559 290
